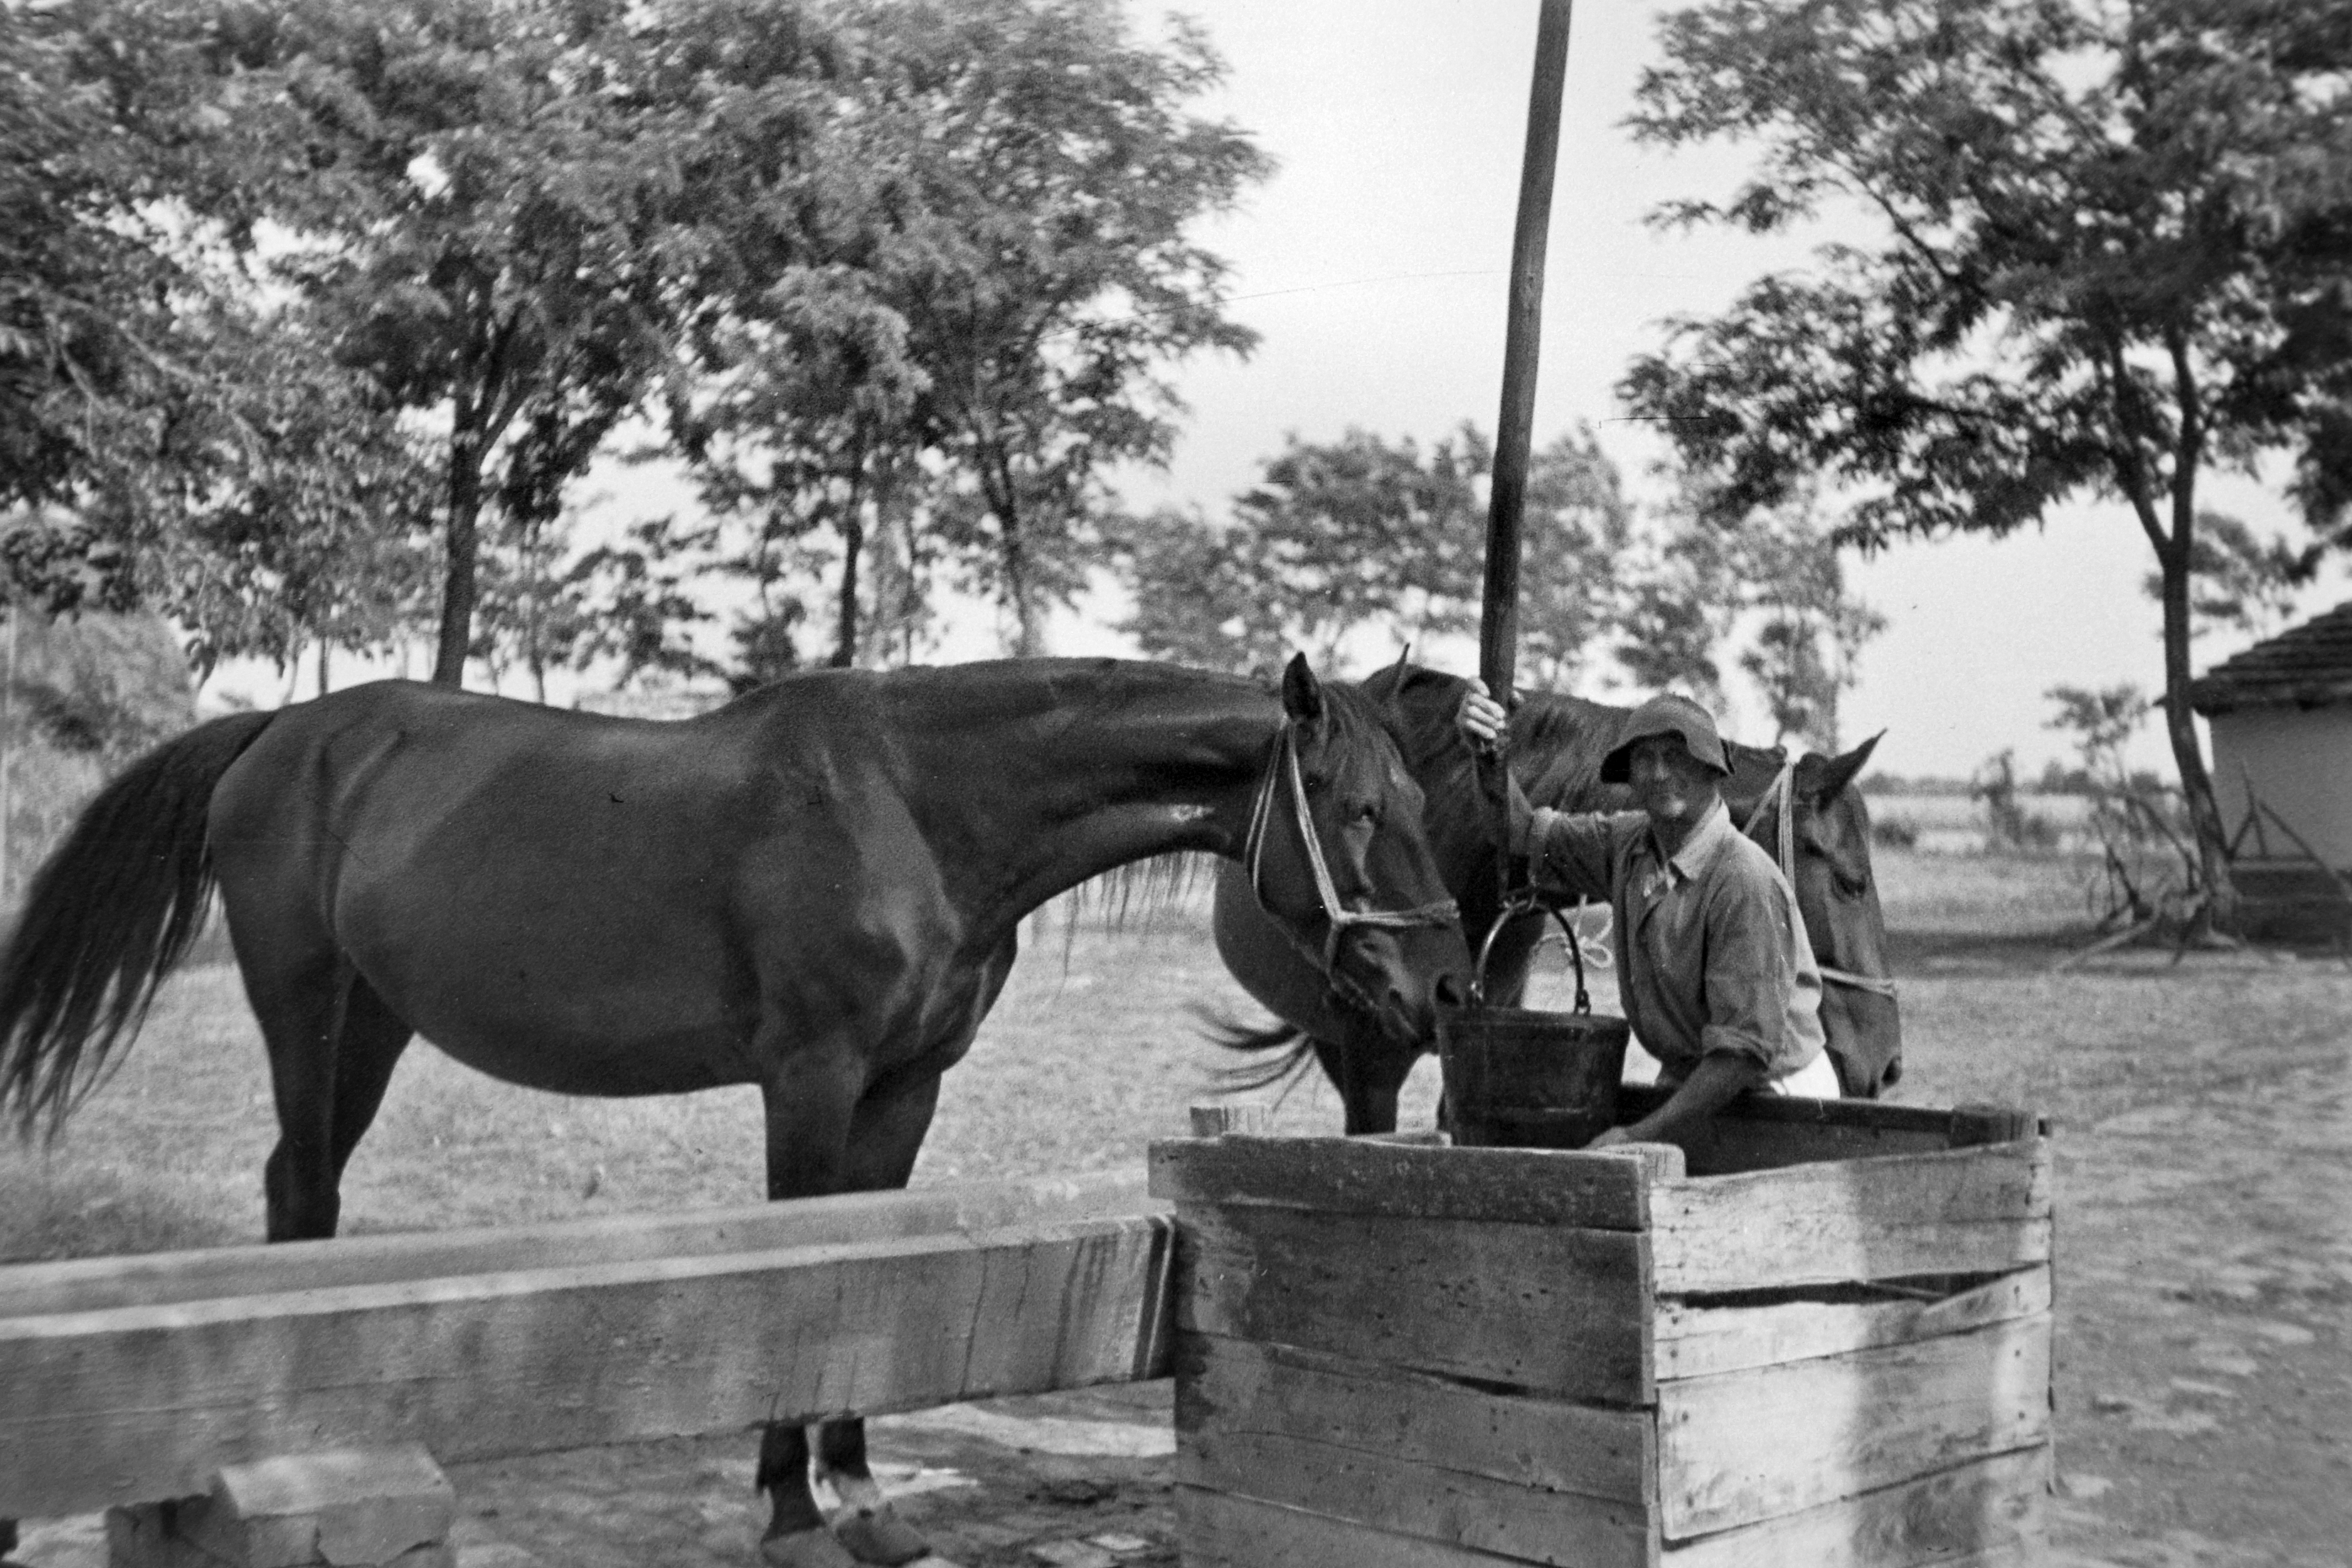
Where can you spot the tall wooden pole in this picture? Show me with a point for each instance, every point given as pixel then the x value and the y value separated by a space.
pixel 1498 626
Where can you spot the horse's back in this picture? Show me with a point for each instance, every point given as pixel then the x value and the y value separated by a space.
pixel 547 894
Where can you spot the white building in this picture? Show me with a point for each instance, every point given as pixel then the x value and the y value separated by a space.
pixel 2281 715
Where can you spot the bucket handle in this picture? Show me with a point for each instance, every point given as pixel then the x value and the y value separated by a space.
pixel 1525 902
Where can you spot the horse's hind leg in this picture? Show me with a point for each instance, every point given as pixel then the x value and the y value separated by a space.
pixel 332 1046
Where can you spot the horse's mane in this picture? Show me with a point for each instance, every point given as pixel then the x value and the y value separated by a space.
pixel 1558 745
pixel 1145 889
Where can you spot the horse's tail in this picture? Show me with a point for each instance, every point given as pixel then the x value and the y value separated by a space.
pixel 112 910
pixel 1297 1048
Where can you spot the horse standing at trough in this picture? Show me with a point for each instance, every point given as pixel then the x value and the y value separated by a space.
pixel 1804 812
pixel 816 889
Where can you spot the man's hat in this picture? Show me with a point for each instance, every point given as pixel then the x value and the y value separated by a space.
pixel 1668 715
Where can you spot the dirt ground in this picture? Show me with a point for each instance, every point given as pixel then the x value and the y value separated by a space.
pixel 2203 1114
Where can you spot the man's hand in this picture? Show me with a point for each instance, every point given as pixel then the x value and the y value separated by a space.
pixel 1610 1139
pixel 1480 718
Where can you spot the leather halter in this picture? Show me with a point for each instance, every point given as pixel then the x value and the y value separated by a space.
pixel 1285 768
pixel 1783 791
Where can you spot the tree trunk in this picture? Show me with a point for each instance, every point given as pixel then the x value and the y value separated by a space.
pixel 2188 756
pixel 457 585
pixel 853 545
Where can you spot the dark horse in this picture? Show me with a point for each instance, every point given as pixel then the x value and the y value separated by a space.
pixel 816 889
pixel 1806 814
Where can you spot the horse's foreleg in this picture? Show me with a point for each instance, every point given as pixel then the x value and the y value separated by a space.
pixel 813 1112
pixel 884 1139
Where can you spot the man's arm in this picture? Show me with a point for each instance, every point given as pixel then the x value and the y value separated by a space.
pixel 1720 1078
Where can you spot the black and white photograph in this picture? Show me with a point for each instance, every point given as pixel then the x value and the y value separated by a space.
pixel 1175 784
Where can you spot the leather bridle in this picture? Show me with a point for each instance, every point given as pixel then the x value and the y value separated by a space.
pixel 1782 791
pixel 1283 767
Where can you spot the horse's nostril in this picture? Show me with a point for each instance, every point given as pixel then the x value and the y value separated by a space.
pixel 1451 991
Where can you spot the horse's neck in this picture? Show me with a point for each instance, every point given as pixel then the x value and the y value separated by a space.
pixel 1100 765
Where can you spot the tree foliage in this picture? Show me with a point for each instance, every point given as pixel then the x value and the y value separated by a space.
pixel 1364 537
pixel 971 322
pixel 2112 254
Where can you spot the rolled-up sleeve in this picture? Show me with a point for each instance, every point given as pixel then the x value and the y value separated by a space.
pixel 1750 976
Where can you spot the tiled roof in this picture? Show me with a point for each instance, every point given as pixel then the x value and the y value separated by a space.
pixel 2310 666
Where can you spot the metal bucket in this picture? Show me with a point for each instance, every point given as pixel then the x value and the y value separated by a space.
pixel 1522 1079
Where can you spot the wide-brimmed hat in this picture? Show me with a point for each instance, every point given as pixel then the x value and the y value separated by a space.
pixel 1668 715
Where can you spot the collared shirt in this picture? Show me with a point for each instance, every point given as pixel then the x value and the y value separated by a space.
pixel 1711 954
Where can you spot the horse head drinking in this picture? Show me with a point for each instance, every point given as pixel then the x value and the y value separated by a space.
pixel 1818 826
pixel 817 889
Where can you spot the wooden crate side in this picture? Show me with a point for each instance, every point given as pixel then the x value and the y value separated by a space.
pixel 143 1403
pixel 1697 1340
pixel 1962 1211
pixel 1229 1388
pixel 1740 1447
pixel 1541 1308
pixel 1350 1175
pixel 1422 1501
pixel 1218 1529
pixel 91 1284
pixel 1989 1510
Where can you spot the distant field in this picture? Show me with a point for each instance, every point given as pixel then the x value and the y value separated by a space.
pixel 1954 825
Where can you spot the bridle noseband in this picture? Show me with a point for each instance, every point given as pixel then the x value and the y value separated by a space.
pixel 1784 789
pixel 1284 766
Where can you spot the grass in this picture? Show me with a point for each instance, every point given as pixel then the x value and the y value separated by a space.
pixel 1091 1053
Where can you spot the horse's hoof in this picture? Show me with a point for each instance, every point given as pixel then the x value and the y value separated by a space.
pixel 880 1535
pixel 806 1549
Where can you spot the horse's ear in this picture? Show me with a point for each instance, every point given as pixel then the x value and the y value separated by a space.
pixel 1840 771
pixel 1387 685
pixel 1302 694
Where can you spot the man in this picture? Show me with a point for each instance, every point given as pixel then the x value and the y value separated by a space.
pixel 1713 965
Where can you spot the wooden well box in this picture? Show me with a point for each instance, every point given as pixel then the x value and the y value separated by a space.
pixel 1831 1349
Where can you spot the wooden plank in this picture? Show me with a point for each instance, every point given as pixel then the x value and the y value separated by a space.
pixel 140 1403
pixel 1229 1388
pixel 1541 1308
pixel 1696 1341
pixel 1993 1508
pixel 1962 1211
pixel 1219 1530
pixel 1354 1175
pixel 86 1284
pixel 1740 1448
pixel 1425 1502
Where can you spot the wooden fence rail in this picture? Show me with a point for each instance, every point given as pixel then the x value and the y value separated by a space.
pixel 134 1380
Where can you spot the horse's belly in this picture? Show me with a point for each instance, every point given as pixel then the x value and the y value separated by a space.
pixel 598 1064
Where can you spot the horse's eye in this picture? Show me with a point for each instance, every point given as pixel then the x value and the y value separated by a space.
pixel 1849 885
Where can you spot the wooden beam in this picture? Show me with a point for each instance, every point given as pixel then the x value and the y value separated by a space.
pixel 1985 1511
pixel 85 1284
pixel 1542 1308
pixel 1498 625
pixel 1227 1387
pixel 1740 1447
pixel 1355 1176
pixel 1221 1531
pixel 140 1403
pixel 1697 1341
pixel 1964 1211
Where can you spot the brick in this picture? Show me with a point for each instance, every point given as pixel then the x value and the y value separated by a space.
pixel 347 1508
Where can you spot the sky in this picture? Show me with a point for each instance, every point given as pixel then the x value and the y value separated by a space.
pixel 1374 262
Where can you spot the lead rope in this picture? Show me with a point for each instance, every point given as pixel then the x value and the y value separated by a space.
pixel 1782 791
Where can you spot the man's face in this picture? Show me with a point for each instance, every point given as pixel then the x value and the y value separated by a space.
pixel 1673 787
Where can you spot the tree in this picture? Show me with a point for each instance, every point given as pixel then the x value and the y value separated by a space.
pixel 1036 177
pixel 2237 580
pixel 2111 253
pixel 174 437
pixel 1360 534
pixel 494 198
pixel 1806 654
